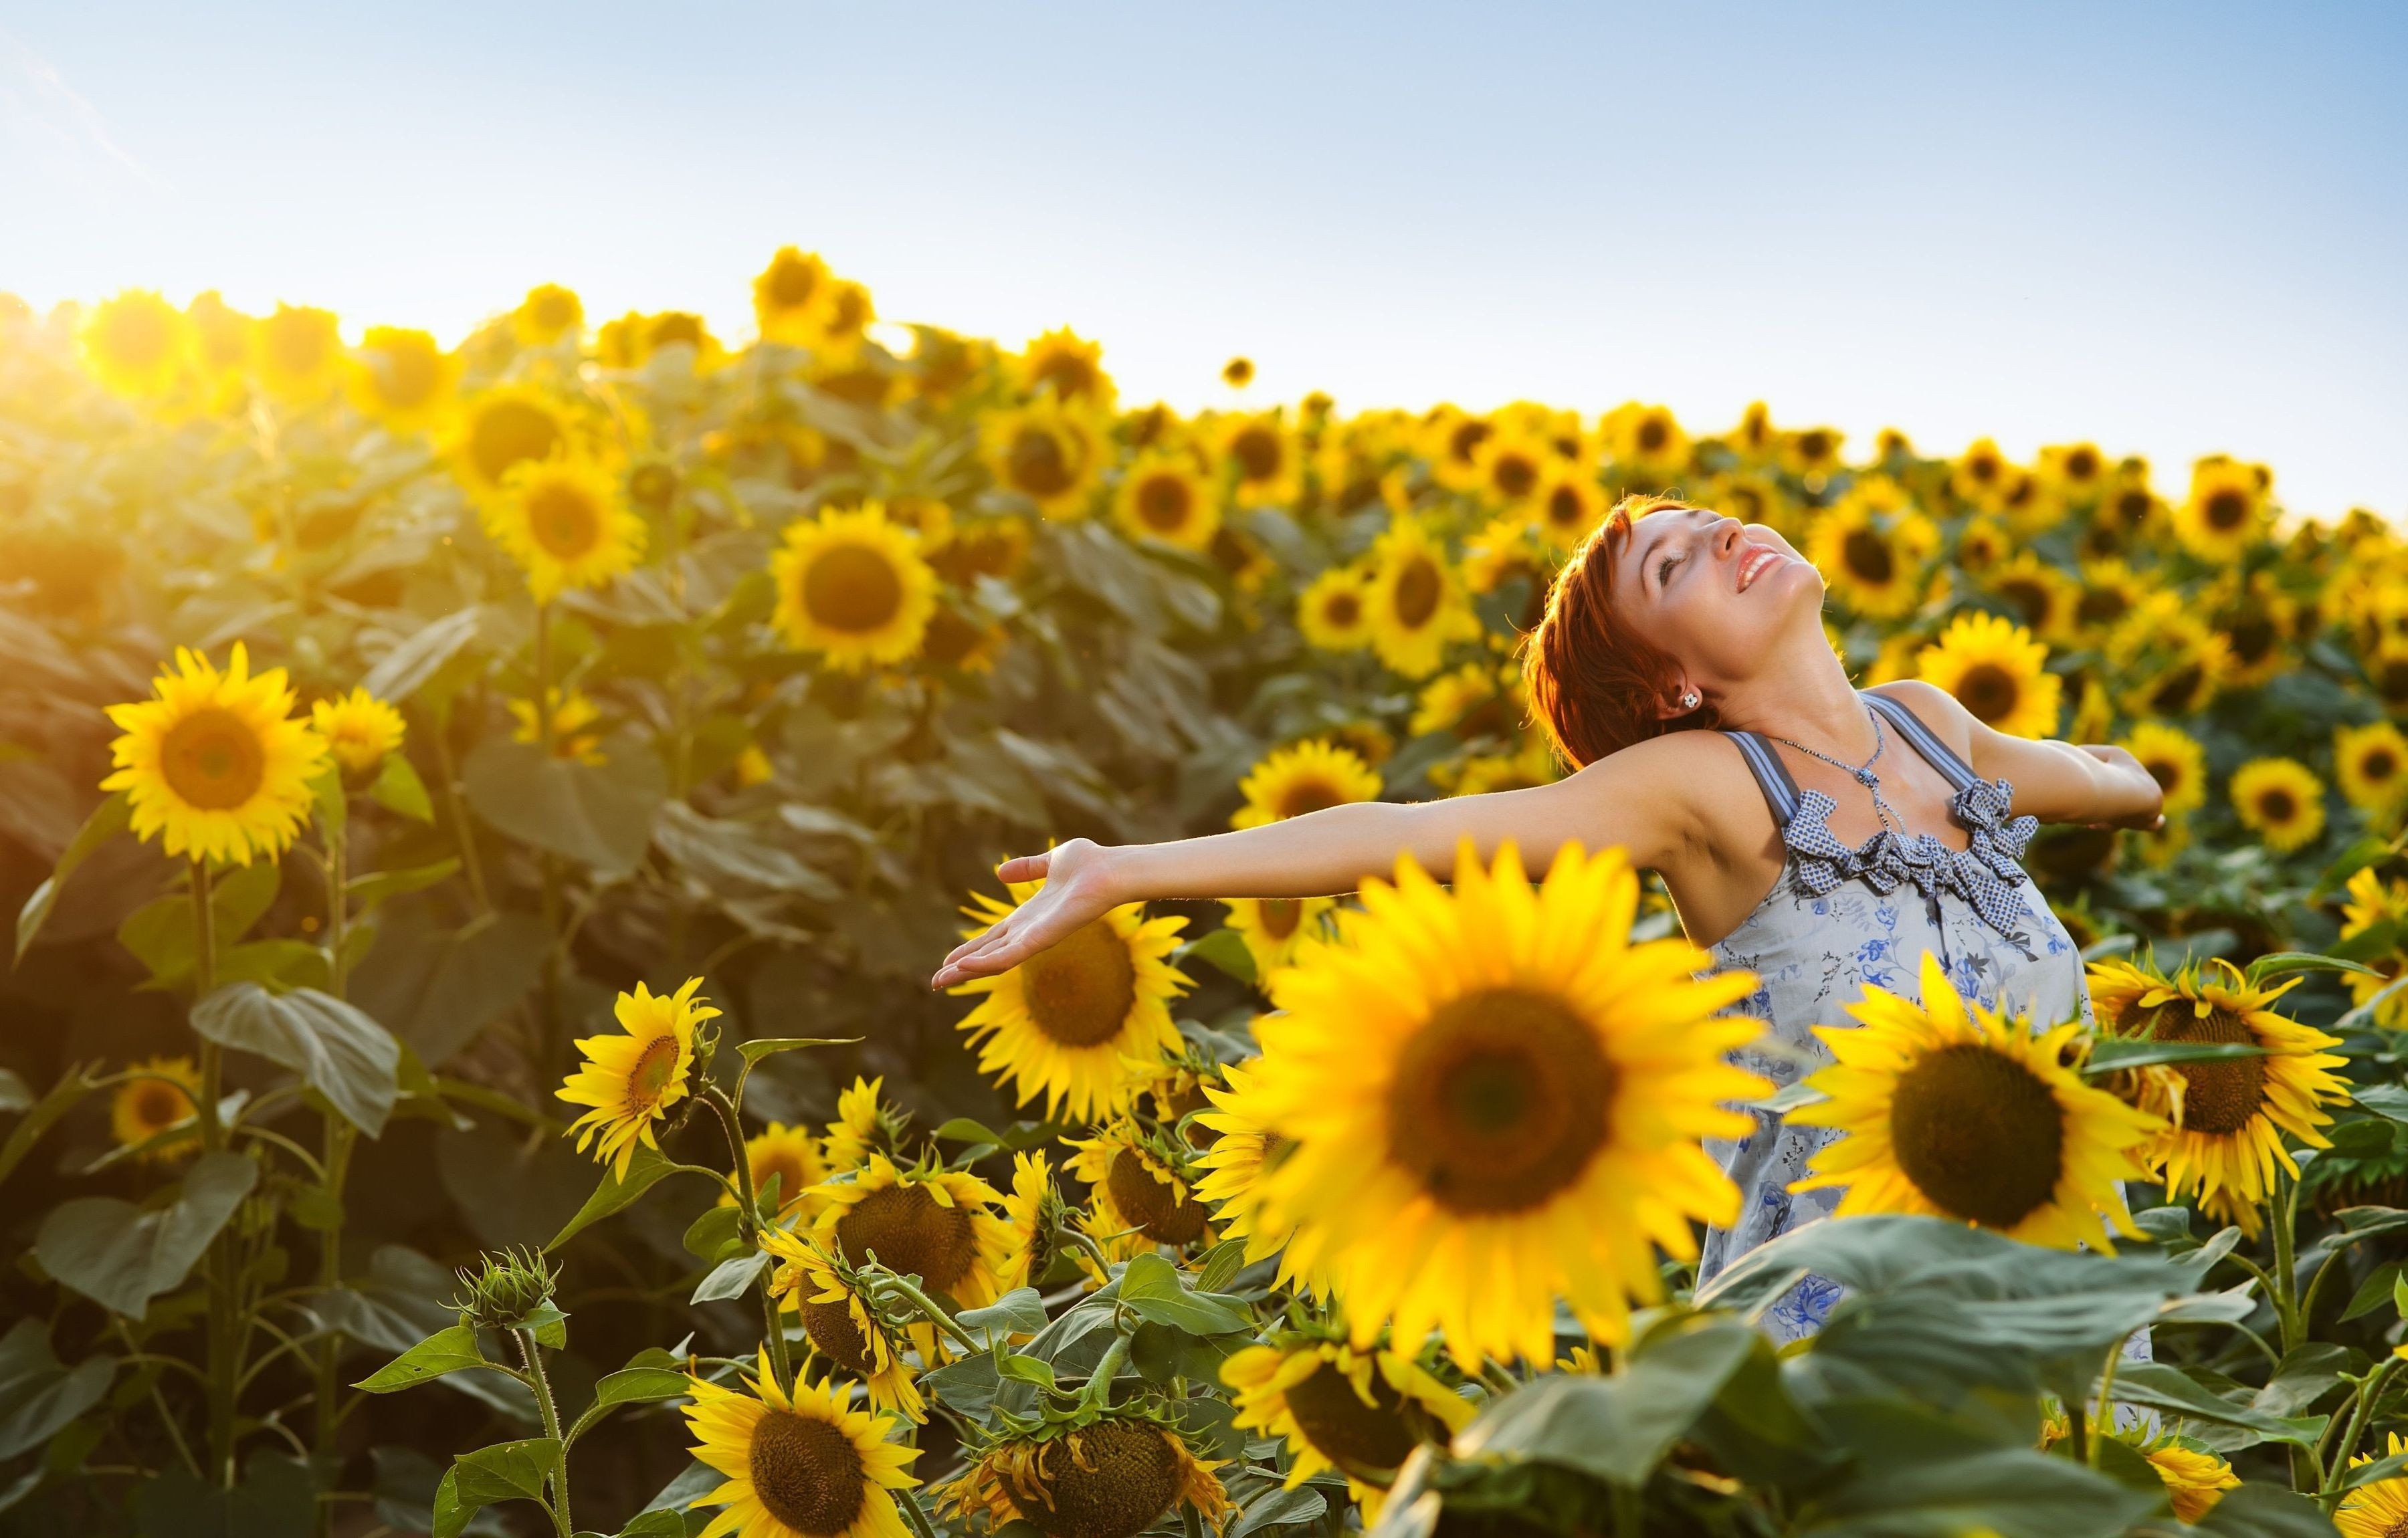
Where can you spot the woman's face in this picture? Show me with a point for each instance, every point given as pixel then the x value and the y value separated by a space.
pixel 1719 595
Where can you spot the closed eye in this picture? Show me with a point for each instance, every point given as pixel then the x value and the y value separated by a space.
pixel 1664 570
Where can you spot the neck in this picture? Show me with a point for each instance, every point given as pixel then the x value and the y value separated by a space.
pixel 1802 693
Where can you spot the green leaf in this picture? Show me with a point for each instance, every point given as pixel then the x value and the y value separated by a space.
pixel 1018 1312
pixel 1278 1506
pixel 710 1235
pixel 1915 1476
pixel 2282 961
pixel 416 658
pixel 367 893
pixel 1152 1286
pixel 159 933
pixel 447 1351
pixel 334 805
pixel 120 1255
pixel 2389 1101
pixel 647 1169
pixel 2375 1292
pixel 1615 1428
pixel 2257 1510
pixel 507 1471
pixel 108 820
pixel 64 1096
pixel 38 1394
pixel 727 853
pixel 398 789
pixel 2160 1386
pixel 451 1516
pixel 598 815
pixel 2110 1057
pixel 1225 948
pixel 753 1051
pixel 640 1385
pixel 276 1499
pixel 731 1278
pixel 2306 1374
pixel 334 1045
pixel 1024 1368
pixel 963 1129
pixel 438 990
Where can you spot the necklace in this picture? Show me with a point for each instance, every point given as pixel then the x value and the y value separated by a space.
pixel 1861 772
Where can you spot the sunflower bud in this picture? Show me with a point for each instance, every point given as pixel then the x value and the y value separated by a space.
pixel 505 1289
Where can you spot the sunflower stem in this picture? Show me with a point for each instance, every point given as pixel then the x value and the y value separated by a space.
pixel 547 994
pixel 1098 1395
pixel 2370 1391
pixel 889 1282
pixel 223 1342
pixel 910 1502
pixel 2282 1211
pixel 2106 1400
pixel 532 1354
pixel 325 1420
pixel 747 1228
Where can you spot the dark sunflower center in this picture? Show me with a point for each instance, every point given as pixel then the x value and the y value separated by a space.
pixel 1652 434
pixel 1515 476
pixel 213 759
pixel 1989 692
pixel 1154 1209
pixel 1110 1480
pixel 1080 990
pixel 2226 510
pixel 1982 469
pixel 852 587
pixel 1310 794
pixel 1164 503
pixel 2178 689
pixel 1465 441
pixel 1868 556
pixel 1359 1438
pixel 1070 375
pixel 1257 453
pixel 1499 1101
pixel 2277 806
pixel 652 486
pixel 910 1234
pixel 161 1105
pixel 2378 765
pixel 1979 1134
pixel 2133 508
pixel 2167 773
pixel 2253 636
pixel 1344 609
pixel 788 1171
pixel 564 520
pixel 2031 600
pixel 676 327
pixel 2218 1098
pixel 2102 606
pixel 1279 916
pixel 1813 446
pixel 653 1073
pixel 792 283
pixel 1565 509
pixel 1038 464
pixel 837 1336
pixel 2081 464
pixel 508 433
pixel 406 376
pixel 807 1472
pixel 1418 587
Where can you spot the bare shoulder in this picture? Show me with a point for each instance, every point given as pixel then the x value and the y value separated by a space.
pixel 1688 774
pixel 1937 709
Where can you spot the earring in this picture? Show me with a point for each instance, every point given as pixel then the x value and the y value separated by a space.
pixel 1689 701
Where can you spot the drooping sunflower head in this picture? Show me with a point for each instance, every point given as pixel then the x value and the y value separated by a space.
pixel 358 729
pixel 1417 601
pixel 566 523
pixel 136 344
pixel 2372 764
pixel 2176 761
pixel 791 1157
pixel 1359 1412
pixel 1305 776
pixel 402 378
pixel 804 1465
pixel 1872 556
pixel 2280 800
pixel 504 427
pixel 791 296
pixel 1107 1474
pixel 297 354
pixel 841 1319
pixel 2224 514
pixel 1335 611
pixel 629 1081
pixel 1165 497
pixel 548 313
pixel 1273 927
pixel 1085 1021
pixel 854 588
pixel 1998 672
pixel 1071 369
pixel 1047 453
pixel 938 1225
pixel 1140 1182
pixel 2378 1508
pixel 216 762
pixel 163 1094
pixel 1495 1100
pixel 1966 1113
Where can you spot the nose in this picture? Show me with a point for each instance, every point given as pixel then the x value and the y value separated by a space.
pixel 1725 536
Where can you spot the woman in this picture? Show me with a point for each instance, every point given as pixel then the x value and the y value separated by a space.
pixel 1822 838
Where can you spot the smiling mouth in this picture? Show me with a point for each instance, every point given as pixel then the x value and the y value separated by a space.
pixel 1755 563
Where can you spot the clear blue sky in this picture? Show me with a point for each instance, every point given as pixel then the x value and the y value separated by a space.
pixel 2172 227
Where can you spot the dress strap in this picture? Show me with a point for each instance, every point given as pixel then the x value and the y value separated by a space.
pixel 1772 775
pixel 1944 757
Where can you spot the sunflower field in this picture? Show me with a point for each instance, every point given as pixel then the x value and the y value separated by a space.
pixel 480 823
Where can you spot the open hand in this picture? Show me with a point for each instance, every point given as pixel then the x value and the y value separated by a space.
pixel 1077 893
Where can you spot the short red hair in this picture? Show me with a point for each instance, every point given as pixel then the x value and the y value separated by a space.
pixel 1595 683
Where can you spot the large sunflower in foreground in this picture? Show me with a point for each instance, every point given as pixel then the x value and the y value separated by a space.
pixel 1996 671
pixel 1083 1020
pixel 2227 1130
pixel 2280 800
pixel 2371 762
pixel 136 344
pixel 798 1466
pixel 938 1225
pixel 1968 1114
pixel 1361 1413
pixel 1417 604
pixel 1108 1475
pixel 402 378
pixel 1305 776
pixel 2176 761
pixel 853 587
pixel 630 1081
pixel 1496 1101
pixel 842 1322
pixel 216 762
pixel 2379 1508
pixel 566 523
pixel 1163 496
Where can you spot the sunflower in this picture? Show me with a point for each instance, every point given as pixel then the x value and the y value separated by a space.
pixel 1272 926
pixel 938 1225
pixel 1497 1100
pixel 798 1466
pixel 1872 548
pixel 2077 472
pixel 165 1093
pixel 1361 1413
pixel 1646 443
pixel 2028 503
pixel 1265 459
pixel 2042 597
pixel 1047 453
pixel 853 587
pixel 1811 451
pixel 791 1156
pixel 2230 1118
pixel 2256 618
pixel 503 428
pixel 1238 372
pixel 1243 1149
pixel 1754 437
pixel 862 1126
pixel 1971 1114
pixel 221 340
pixel 636 339
pixel 1750 499
pixel 2179 664
pixel 1502 550
pixel 1335 613
pixel 1033 1210
pixel 1474 701
pixel 216 761
pixel 632 1080
pixel 2372 764
pixel 548 313
pixel 402 378
pixel 790 297
pixel 996 546
pixel 2226 511
pixel 2128 512
pixel 1998 672
pixel 1513 464
pixel 1165 497
pixel 2372 902
pixel 1532 764
pixel 1071 369
pixel 1110 1473
pixel 297 354
pixel 2280 800
pixel 358 729
pixel 1305 776
pixel 566 523
pixel 1980 475
pixel 1138 1182
pixel 573 715
pixel 136 344
pixel 1567 505
pixel 1417 601
pixel 1982 544
pixel 1077 1020
pixel 851 312
pixel 2176 761
pixel 2378 1508
pixel 2110 591
pixel 842 1321
pixel 1451 440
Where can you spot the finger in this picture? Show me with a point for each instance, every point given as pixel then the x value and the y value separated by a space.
pixel 1026 867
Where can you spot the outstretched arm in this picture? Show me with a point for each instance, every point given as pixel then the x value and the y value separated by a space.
pixel 2054 781
pixel 1638 799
